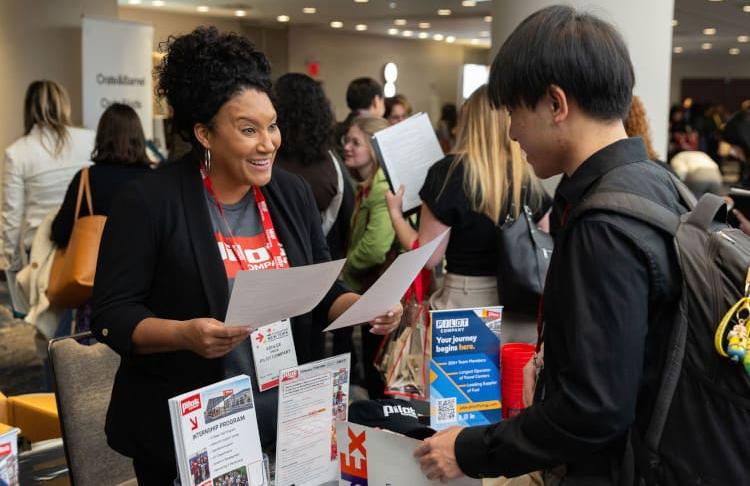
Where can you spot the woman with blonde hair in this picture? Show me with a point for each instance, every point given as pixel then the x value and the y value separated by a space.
pixel 39 166
pixel 371 236
pixel 471 191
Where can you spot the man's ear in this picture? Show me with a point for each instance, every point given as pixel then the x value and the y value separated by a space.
pixel 558 103
pixel 202 132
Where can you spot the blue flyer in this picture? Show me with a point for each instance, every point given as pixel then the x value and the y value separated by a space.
pixel 465 367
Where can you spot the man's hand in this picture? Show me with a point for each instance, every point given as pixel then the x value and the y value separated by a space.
pixel 437 455
pixel 744 223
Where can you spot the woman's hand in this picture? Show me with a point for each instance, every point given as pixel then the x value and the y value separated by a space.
pixel 210 338
pixel 395 202
pixel 388 322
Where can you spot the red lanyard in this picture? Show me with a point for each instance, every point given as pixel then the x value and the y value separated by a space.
pixel 272 241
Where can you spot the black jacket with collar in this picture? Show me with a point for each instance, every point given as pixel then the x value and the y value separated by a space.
pixel 159 258
pixel 609 301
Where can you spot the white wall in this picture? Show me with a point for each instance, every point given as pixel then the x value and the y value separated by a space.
pixel 272 41
pixel 428 70
pixel 41 40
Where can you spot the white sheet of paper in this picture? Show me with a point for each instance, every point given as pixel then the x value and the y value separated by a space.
pixel 390 287
pixel 262 297
pixel 380 457
pixel 296 463
pixel 407 151
pixel 304 424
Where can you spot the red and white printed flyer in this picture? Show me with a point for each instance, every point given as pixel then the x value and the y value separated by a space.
pixel 216 435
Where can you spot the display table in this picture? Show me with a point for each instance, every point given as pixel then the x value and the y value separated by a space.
pixel 36 415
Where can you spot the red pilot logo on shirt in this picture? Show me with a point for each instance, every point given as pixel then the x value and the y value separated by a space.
pixel 190 404
pixel 252 249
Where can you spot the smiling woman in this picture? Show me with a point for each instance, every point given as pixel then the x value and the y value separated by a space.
pixel 175 240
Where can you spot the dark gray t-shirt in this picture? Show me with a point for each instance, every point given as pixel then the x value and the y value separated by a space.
pixel 244 221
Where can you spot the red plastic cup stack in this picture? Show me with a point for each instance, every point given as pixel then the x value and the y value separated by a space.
pixel 513 357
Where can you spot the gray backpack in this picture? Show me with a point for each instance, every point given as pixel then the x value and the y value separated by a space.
pixel 699 432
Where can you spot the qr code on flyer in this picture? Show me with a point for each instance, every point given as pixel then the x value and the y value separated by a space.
pixel 446 410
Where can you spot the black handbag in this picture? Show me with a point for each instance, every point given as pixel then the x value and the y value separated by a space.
pixel 523 259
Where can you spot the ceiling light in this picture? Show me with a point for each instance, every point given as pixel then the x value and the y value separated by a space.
pixel 444 11
pixel 392 31
pixel 337 24
pixel 157 3
pixel 202 8
pixel 450 39
pixel 423 35
pixel 134 2
pixel 474 41
pixel 438 37
pixel 677 50
pixel 407 33
pixel 283 18
pixel 360 27
pixel 361 1
pixel 706 46
pixel 675 22
pixel 309 10
pixel 746 8
pixel 240 13
pixel 709 31
pixel 734 51
pixel 399 22
pixel 424 25
pixel 714 0
pixel 488 18
pixel 743 38
pixel 469 3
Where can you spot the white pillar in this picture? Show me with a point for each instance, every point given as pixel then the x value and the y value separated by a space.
pixel 646 26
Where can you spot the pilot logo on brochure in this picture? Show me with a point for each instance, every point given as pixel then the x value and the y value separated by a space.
pixel 190 404
pixel 5 449
pixel 354 464
pixel 289 375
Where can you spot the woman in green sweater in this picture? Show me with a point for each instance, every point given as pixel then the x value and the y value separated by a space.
pixel 372 233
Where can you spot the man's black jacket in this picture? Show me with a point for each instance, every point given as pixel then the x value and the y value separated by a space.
pixel 611 291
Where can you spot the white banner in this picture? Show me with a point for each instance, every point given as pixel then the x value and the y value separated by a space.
pixel 117 69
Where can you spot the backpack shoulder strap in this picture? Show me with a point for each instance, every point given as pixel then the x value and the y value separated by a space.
pixel 632 205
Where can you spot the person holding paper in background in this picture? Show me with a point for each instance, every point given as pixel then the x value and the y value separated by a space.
pixel 469 191
pixel 175 239
pixel 372 236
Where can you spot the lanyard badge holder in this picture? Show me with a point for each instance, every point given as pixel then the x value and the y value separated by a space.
pixel 738 339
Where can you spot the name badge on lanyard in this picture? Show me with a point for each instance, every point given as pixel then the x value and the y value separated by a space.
pixel 272 345
pixel 273 351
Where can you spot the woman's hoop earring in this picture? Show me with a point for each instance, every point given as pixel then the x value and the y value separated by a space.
pixel 207 161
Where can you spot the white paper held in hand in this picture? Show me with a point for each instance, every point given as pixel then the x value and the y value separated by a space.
pixel 267 296
pixel 390 287
pixel 407 150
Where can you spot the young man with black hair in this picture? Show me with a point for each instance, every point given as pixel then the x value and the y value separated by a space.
pixel 364 97
pixel 613 282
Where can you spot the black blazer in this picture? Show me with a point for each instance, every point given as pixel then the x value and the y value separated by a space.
pixel 158 258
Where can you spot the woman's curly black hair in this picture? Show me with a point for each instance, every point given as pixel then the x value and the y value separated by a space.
pixel 202 70
pixel 305 118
